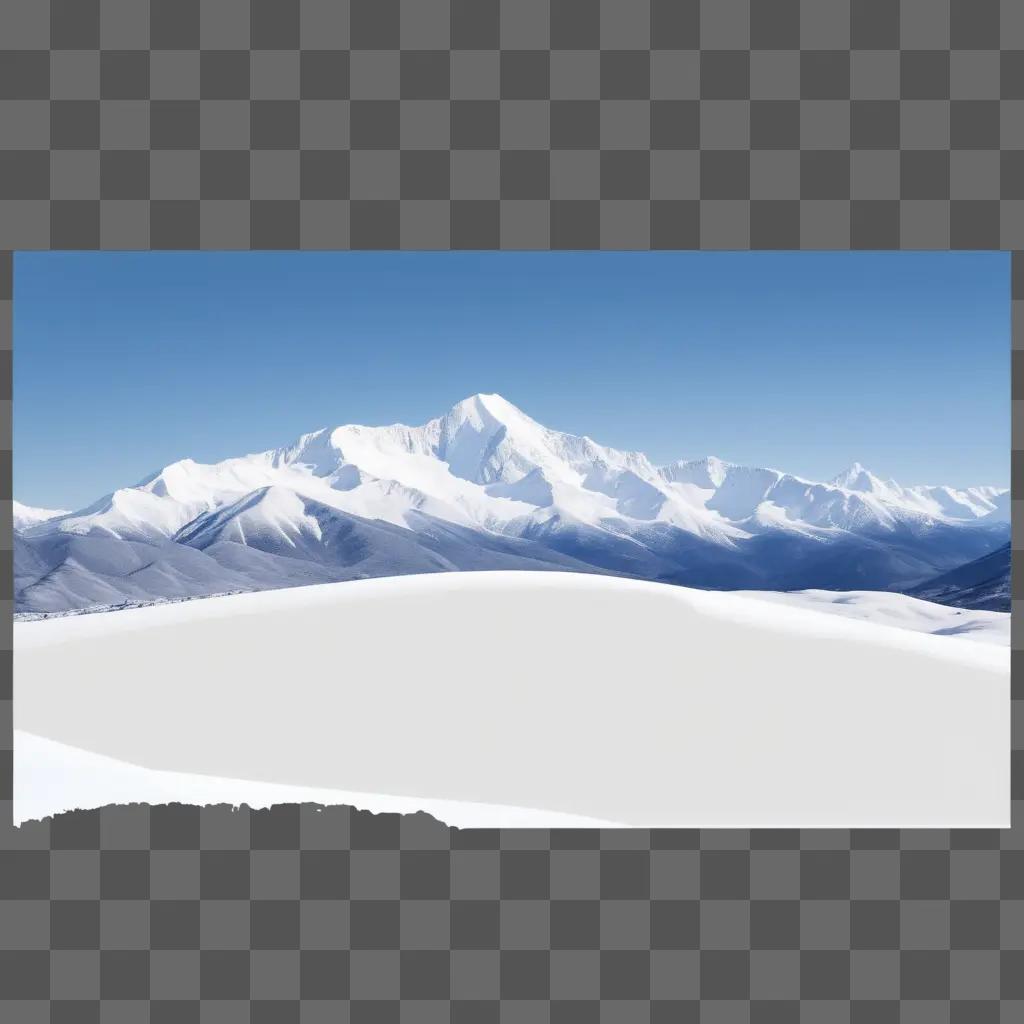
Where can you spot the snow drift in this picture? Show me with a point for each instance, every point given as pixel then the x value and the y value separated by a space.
pixel 63 776
pixel 559 693
pixel 901 611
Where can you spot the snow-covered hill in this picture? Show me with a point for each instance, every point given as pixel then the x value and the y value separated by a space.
pixel 901 611
pixel 487 487
pixel 26 516
pixel 982 584
pixel 536 694
pixel 53 777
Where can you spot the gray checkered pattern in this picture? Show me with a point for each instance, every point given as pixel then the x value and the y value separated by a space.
pixel 515 124
pixel 443 124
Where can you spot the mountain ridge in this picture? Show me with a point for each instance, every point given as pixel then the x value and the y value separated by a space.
pixel 982 584
pixel 487 476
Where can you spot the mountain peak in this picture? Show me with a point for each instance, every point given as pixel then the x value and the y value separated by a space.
pixel 858 478
pixel 26 516
pixel 714 464
pixel 485 438
pixel 484 404
pixel 485 486
pixel 707 472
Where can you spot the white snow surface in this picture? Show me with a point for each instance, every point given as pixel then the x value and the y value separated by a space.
pixel 58 777
pixel 532 694
pixel 27 515
pixel 900 611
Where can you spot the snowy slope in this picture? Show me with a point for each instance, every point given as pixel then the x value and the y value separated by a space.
pixel 562 693
pixel 487 487
pixel 53 777
pixel 990 627
pixel 26 515
pixel 983 583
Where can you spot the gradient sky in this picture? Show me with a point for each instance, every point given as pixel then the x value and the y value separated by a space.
pixel 807 362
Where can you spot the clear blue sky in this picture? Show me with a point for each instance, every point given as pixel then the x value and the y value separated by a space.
pixel 803 361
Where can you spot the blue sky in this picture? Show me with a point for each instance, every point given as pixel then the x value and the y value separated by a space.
pixel 803 361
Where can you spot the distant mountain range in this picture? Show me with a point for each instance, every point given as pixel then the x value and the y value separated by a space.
pixel 486 487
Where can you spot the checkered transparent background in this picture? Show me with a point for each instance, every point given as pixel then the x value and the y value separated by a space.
pixel 442 124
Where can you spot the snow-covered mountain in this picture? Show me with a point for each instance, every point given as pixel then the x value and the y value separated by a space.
pixel 26 516
pixel 981 584
pixel 486 487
